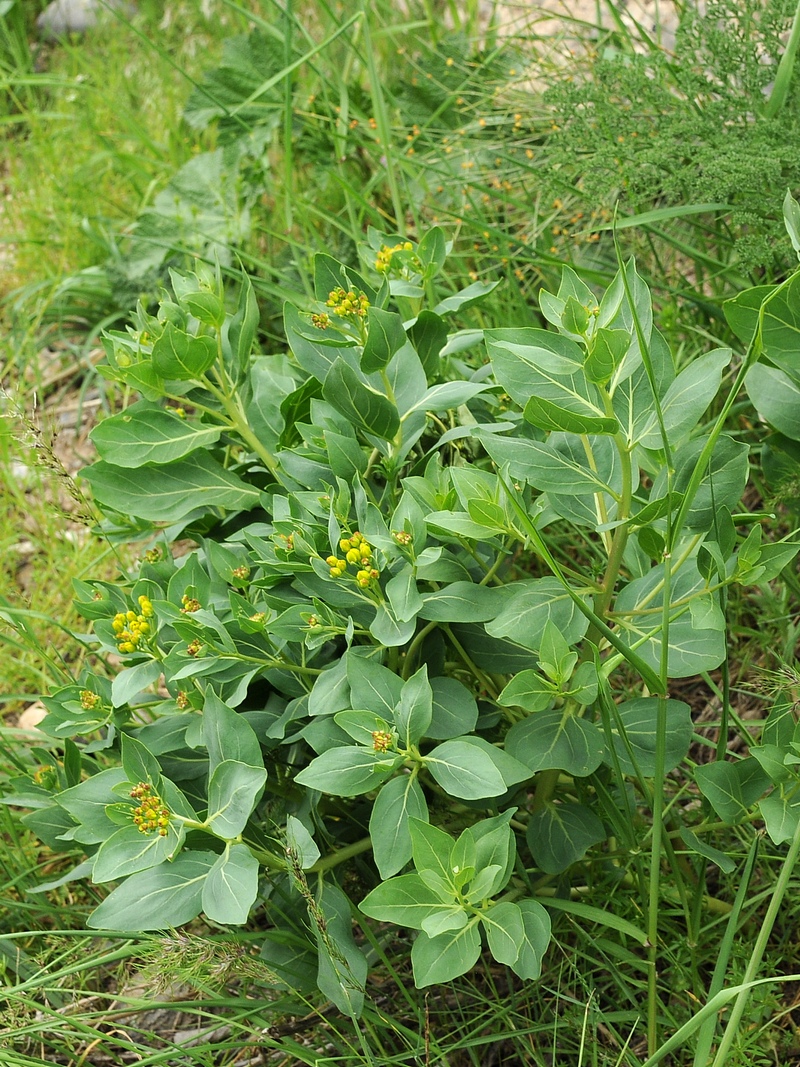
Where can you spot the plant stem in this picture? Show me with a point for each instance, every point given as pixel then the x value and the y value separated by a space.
pixel 341 855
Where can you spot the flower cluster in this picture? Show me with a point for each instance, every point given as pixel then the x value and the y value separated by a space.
pixel 89 700
pixel 322 322
pixel 46 777
pixel 383 260
pixel 129 628
pixel 151 814
pixel 381 740
pixel 358 552
pixel 348 304
pixel 190 604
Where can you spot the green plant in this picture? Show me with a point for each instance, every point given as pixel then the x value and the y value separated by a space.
pixel 434 612
pixel 691 141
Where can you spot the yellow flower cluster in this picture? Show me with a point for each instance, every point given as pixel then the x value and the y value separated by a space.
pixel 46 776
pixel 322 322
pixel 381 740
pixel 383 260
pixel 89 700
pixel 151 813
pixel 190 604
pixel 347 304
pixel 129 628
pixel 358 552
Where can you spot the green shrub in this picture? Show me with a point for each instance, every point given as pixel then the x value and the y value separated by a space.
pixel 433 614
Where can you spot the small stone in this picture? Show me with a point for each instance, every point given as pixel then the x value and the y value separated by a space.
pixel 75 16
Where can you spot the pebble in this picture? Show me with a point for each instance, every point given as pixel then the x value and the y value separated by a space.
pixel 75 16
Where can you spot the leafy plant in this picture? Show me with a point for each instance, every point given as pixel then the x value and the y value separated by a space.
pixel 433 613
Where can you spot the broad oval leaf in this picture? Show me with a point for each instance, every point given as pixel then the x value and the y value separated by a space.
pixel 231 887
pixel 165 896
pixel 144 434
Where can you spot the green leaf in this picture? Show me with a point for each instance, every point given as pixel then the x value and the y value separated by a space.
pixel 634 735
pixel 464 299
pixel 343 967
pixel 432 251
pixel 447 917
pixel 227 735
pixel 346 772
pixel 530 605
pixel 429 336
pixel 345 455
pixel 301 842
pixel 233 792
pixel 139 764
pixel 505 931
pixel 165 896
pixel 781 321
pixel 560 834
pixel 446 956
pixel 87 803
pixel 405 900
pixel 557 740
pixel 691 650
pixel 144 434
pixel 776 397
pixel 314 357
pixel 596 915
pixel 205 306
pixel 528 690
pixel 472 769
pixel 609 348
pixel 386 336
pixel 455 710
pixel 133 680
pixel 269 388
pixel 390 631
pixel 128 851
pixel 414 710
pixel 707 851
pixel 398 801
pixel 781 814
pixel 402 594
pixel 361 725
pixel 791 219
pixel 546 366
pixel 560 464
pixel 178 356
pixel 231 887
pixel 431 848
pixel 373 686
pixel 239 330
pixel 686 399
pixel 732 788
pixel 548 415
pixel 168 494
pixel 359 402
pixel 535 939
pixel 463 602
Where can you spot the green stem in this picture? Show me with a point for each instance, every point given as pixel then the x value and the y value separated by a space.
pixel 659 776
pixel 238 422
pixel 341 855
